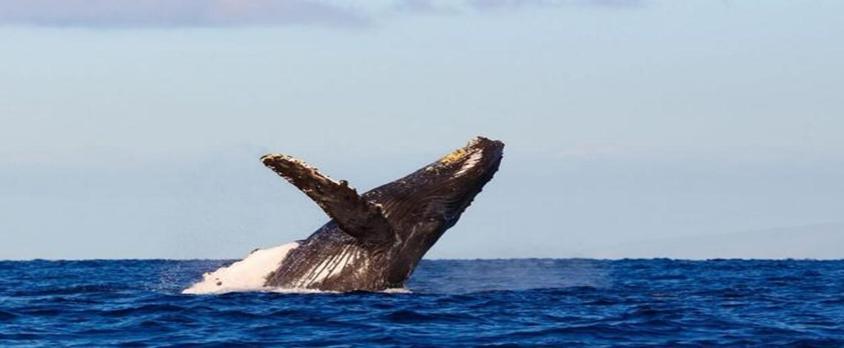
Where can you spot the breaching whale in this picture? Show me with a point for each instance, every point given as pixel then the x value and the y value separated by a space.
pixel 374 240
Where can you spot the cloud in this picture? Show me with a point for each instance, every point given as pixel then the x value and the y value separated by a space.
pixel 451 6
pixel 176 13
pixel 425 7
pixel 222 13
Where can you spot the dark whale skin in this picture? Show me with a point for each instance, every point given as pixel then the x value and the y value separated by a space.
pixel 375 240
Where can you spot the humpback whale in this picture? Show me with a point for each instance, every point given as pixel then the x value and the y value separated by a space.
pixel 374 240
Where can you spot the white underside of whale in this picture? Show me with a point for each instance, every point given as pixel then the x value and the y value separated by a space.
pixel 248 274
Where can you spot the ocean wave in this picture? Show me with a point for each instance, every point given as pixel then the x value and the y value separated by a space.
pixel 446 303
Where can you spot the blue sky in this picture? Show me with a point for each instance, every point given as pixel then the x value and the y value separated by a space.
pixel 133 129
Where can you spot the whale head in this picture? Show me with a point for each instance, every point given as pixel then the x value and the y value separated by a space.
pixel 423 205
pixel 442 190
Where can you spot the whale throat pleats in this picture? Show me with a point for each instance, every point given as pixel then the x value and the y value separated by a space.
pixel 354 215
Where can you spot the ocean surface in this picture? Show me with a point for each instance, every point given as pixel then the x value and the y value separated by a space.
pixel 570 302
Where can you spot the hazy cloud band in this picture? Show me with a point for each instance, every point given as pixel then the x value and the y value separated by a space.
pixel 175 13
pixel 215 13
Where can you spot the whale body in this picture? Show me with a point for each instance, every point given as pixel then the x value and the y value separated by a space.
pixel 374 240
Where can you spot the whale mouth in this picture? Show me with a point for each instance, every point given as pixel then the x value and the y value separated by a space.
pixel 483 152
pixel 476 161
pixel 479 155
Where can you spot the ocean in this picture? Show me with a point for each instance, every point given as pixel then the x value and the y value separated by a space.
pixel 521 302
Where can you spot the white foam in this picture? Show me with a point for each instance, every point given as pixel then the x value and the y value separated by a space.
pixel 397 291
pixel 248 274
pixel 300 291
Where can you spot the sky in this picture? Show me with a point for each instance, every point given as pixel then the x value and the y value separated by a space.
pixel 132 129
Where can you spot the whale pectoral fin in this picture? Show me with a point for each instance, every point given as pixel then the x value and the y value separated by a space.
pixel 355 215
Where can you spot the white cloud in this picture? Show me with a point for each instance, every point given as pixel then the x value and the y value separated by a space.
pixel 439 6
pixel 213 13
pixel 168 13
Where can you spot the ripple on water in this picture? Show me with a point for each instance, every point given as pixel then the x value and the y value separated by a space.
pixel 467 303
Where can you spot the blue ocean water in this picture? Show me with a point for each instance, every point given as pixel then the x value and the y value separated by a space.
pixel 570 302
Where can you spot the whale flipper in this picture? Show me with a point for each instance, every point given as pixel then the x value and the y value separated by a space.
pixel 355 215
